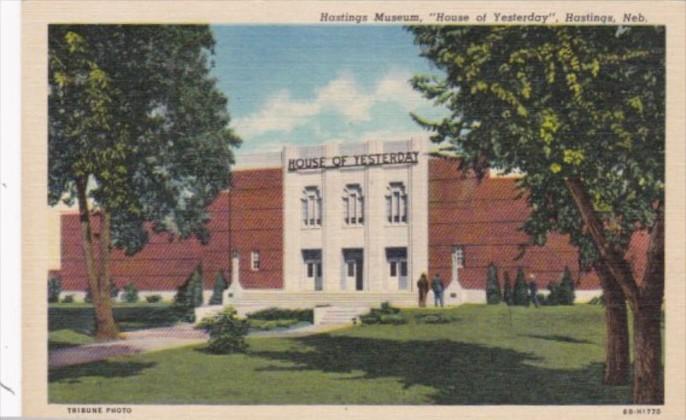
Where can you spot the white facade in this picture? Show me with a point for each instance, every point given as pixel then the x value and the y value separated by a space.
pixel 339 254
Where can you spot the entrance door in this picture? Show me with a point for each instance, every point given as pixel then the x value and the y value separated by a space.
pixel 397 267
pixel 353 260
pixel 312 259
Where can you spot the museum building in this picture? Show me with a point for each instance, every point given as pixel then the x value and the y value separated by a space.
pixel 356 222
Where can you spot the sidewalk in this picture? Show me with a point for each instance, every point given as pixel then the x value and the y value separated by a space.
pixel 158 339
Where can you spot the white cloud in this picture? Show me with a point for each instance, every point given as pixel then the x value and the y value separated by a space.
pixel 344 95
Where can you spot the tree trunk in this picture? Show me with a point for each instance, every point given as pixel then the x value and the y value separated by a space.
pixel 648 378
pixel 105 327
pixel 617 331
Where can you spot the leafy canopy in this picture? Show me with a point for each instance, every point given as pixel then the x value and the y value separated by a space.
pixel 136 118
pixel 555 103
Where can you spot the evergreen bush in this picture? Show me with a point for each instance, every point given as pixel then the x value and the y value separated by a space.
pixel 130 293
pixel 227 332
pixel 68 299
pixel 54 288
pixel 218 292
pixel 189 296
pixel 507 289
pixel 520 295
pixel 566 294
pixel 153 298
pixel 493 294
pixel 114 291
pixel 272 314
pixel 386 314
pixel 554 295
pixel 88 298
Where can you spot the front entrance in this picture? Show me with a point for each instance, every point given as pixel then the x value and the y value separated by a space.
pixel 397 267
pixel 312 259
pixel 353 267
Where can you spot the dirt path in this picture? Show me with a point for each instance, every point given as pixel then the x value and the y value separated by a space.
pixel 158 339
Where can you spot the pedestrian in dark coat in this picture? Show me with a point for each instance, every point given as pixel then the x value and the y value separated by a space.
pixel 437 287
pixel 423 288
pixel 533 291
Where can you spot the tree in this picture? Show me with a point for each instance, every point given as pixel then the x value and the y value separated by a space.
pixel 138 137
pixel 493 294
pixel 580 112
pixel 218 292
pixel 520 296
pixel 189 296
pixel 507 289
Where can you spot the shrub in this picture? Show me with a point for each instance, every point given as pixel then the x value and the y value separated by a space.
pixel 218 292
pixel 264 325
pixel 189 296
pixel 386 314
pixel 520 295
pixel 54 288
pixel 507 289
pixel 270 314
pixel 68 299
pixel 554 295
pixel 438 318
pixel 227 332
pixel 89 295
pixel 114 291
pixel 153 298
pixel 566 294
pixel 130 293
pixel 493 294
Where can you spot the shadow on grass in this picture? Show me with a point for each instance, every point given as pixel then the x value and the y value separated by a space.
pixel 459 373
pixel 104 369
pixel 559 338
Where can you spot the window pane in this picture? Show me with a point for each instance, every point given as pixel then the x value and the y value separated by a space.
pixel 319 269
pixel 304 211
pixel 403 268
pixel 388 208
pixel 351 269
pixel 394 269
pixel 309 269
pixel 404 208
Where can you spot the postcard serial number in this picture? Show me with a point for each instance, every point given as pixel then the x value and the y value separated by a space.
pixel 639 411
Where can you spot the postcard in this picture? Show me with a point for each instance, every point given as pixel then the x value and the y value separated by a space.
pixel 353 209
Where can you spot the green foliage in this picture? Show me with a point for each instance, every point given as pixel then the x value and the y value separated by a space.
pixel 520 295
pixel 114 291
pixel 554 294
pixel 220 285
pixel 597 300
pixel 68 299
pixel 567 295
pixel 54 288
pixel 130 293
pixel 159 157
pixel 437 318
pixel 493 293
pixel 153 298
pixel 265 325
pixel 556 103
pixel 189 296
pixel 272 314
pixel 88 298
pixel 385 314
pixel 508 294
pixel 227 332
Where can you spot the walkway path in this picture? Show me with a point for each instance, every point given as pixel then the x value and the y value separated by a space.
pixel 158 339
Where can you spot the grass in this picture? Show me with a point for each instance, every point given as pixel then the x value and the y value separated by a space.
pixel 72 324
pixel 486 355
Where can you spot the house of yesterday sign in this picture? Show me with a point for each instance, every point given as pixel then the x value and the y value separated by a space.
pixel 349 161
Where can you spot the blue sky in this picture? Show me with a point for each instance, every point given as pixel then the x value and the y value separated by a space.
pixel 317 84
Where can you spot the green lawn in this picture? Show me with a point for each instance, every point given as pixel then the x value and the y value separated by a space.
pixel 488 355
pixel 73 324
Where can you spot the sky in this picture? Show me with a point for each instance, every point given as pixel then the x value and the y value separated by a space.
pixel 306 85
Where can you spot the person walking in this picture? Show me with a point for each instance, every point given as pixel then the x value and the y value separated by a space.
pixel 533 291
pixel 437 287
pixel 423 288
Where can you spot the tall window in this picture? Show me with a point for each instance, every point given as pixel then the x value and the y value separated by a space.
pixel 311 207
pixel 396 203
pixel 255 260
pixel 353 205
